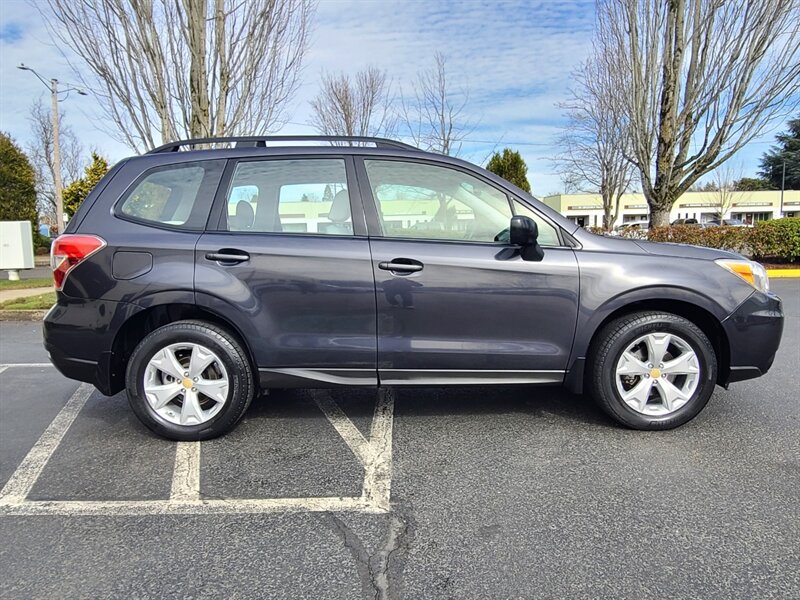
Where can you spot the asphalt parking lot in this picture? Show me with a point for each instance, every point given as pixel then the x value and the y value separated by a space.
pixel 407 493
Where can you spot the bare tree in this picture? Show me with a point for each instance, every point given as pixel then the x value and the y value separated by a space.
pixel 40 151
pixel 435 116
pixel 702 78
pixel 726 192
pixel 594 143
pixel 164 69
pixel 354 107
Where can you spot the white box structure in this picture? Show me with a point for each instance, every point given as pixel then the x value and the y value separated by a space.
pixel 16 245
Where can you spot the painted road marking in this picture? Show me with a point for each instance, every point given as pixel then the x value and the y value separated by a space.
pixel 236 506
pixel 357 443
pixel 23 479
pixel 374 454
pixel 186 474
pixel 378 476
pixel 10 365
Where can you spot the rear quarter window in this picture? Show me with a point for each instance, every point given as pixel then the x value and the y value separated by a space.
pixel 177 196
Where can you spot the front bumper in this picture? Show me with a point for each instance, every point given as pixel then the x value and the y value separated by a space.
pixel 754 333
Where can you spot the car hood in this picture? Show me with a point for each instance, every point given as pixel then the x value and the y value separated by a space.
pixel 684 250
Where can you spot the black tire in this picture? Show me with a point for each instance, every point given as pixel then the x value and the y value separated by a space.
pixel 613 340
pixel 230 352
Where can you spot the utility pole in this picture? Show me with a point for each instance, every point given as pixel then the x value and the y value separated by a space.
pixel 58 184
pixel 783 184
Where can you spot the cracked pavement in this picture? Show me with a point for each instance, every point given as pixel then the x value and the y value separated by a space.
pixel 496 493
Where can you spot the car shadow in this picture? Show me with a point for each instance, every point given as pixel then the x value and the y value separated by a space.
pixel 359 402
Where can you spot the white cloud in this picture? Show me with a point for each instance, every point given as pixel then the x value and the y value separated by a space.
pixel 515 57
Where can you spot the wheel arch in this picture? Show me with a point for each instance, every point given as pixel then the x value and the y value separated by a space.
pixel 138 325
pixel 695 308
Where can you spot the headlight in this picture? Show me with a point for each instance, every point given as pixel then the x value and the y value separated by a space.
pixel 752 272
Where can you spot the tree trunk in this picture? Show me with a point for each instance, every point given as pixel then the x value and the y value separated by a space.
pixel 196 14
pixel 660 201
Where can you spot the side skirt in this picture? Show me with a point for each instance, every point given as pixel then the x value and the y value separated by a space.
pixel 326 378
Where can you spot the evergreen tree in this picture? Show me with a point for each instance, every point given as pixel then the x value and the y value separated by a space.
pixel 751 184
pixel 75 193
pixel 510 166
pixel 327 195
pixel 787 150
pixel 17 184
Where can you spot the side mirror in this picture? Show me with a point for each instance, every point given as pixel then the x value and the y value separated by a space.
pixel 524 233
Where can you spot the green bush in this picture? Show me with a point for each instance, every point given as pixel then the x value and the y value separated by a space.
pixel 735 239
pixel 778 239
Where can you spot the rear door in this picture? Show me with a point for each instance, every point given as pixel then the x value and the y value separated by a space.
pixel 454 304
pixel 289 264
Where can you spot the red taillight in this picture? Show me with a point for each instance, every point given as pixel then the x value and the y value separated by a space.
pixel 70 250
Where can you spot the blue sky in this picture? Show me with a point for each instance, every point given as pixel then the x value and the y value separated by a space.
pixel 515 58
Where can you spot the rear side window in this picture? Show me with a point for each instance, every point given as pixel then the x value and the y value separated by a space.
pixel 290 196
pixel 175 195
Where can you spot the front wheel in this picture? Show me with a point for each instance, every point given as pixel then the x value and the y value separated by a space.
pixel 652 370
pixel 189 380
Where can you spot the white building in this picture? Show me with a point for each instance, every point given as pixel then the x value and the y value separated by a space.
pixel 587 209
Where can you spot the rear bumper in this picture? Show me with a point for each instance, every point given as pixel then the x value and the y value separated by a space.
pixel 754 333
pixel 79 336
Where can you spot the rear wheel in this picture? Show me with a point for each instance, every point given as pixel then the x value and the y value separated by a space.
pixel 652 370
pixel 189 380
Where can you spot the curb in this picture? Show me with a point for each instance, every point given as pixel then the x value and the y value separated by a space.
pixel 22 315
pixel 782 273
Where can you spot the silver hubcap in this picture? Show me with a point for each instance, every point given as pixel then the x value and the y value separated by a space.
pixel 657 374
pixel 186 384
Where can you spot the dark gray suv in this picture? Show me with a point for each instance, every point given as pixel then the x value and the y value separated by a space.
pixel 207 271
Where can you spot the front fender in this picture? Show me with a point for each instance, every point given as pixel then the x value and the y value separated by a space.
pixel 610 282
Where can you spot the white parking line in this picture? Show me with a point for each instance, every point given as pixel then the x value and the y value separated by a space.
pixel 374 454
pixel 5 366
pixel 344 427
pixel 195 507
pixel 186 474
pixel 23 479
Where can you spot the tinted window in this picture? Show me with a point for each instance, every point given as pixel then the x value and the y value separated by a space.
pixel 425 201
pixel 175 195
pixel 290 196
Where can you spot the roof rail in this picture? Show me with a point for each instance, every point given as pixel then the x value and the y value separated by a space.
pixel 263 141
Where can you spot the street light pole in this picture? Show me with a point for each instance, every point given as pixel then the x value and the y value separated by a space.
pixel 783 184
pixel 58 184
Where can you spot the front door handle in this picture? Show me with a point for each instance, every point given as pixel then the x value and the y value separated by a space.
pixel 227 256
pixel 401 265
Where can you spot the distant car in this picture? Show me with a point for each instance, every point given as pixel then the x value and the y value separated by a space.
pixel 685 222
pixel 198 278
pixel 632 226
pixel 726 223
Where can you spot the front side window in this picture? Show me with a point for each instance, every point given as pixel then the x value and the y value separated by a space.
pixel 290 196
pixel 416 200
pixel 175 195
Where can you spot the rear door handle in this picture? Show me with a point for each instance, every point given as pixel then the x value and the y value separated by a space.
pixel 228 256
pixel 401 265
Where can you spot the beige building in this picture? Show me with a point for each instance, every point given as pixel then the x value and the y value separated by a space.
pixel 587 209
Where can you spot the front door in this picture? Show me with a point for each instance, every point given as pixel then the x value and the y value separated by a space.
pixel 290 267
pixel 455 305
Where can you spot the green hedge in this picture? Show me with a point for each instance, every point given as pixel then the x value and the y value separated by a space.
pixel 777 240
